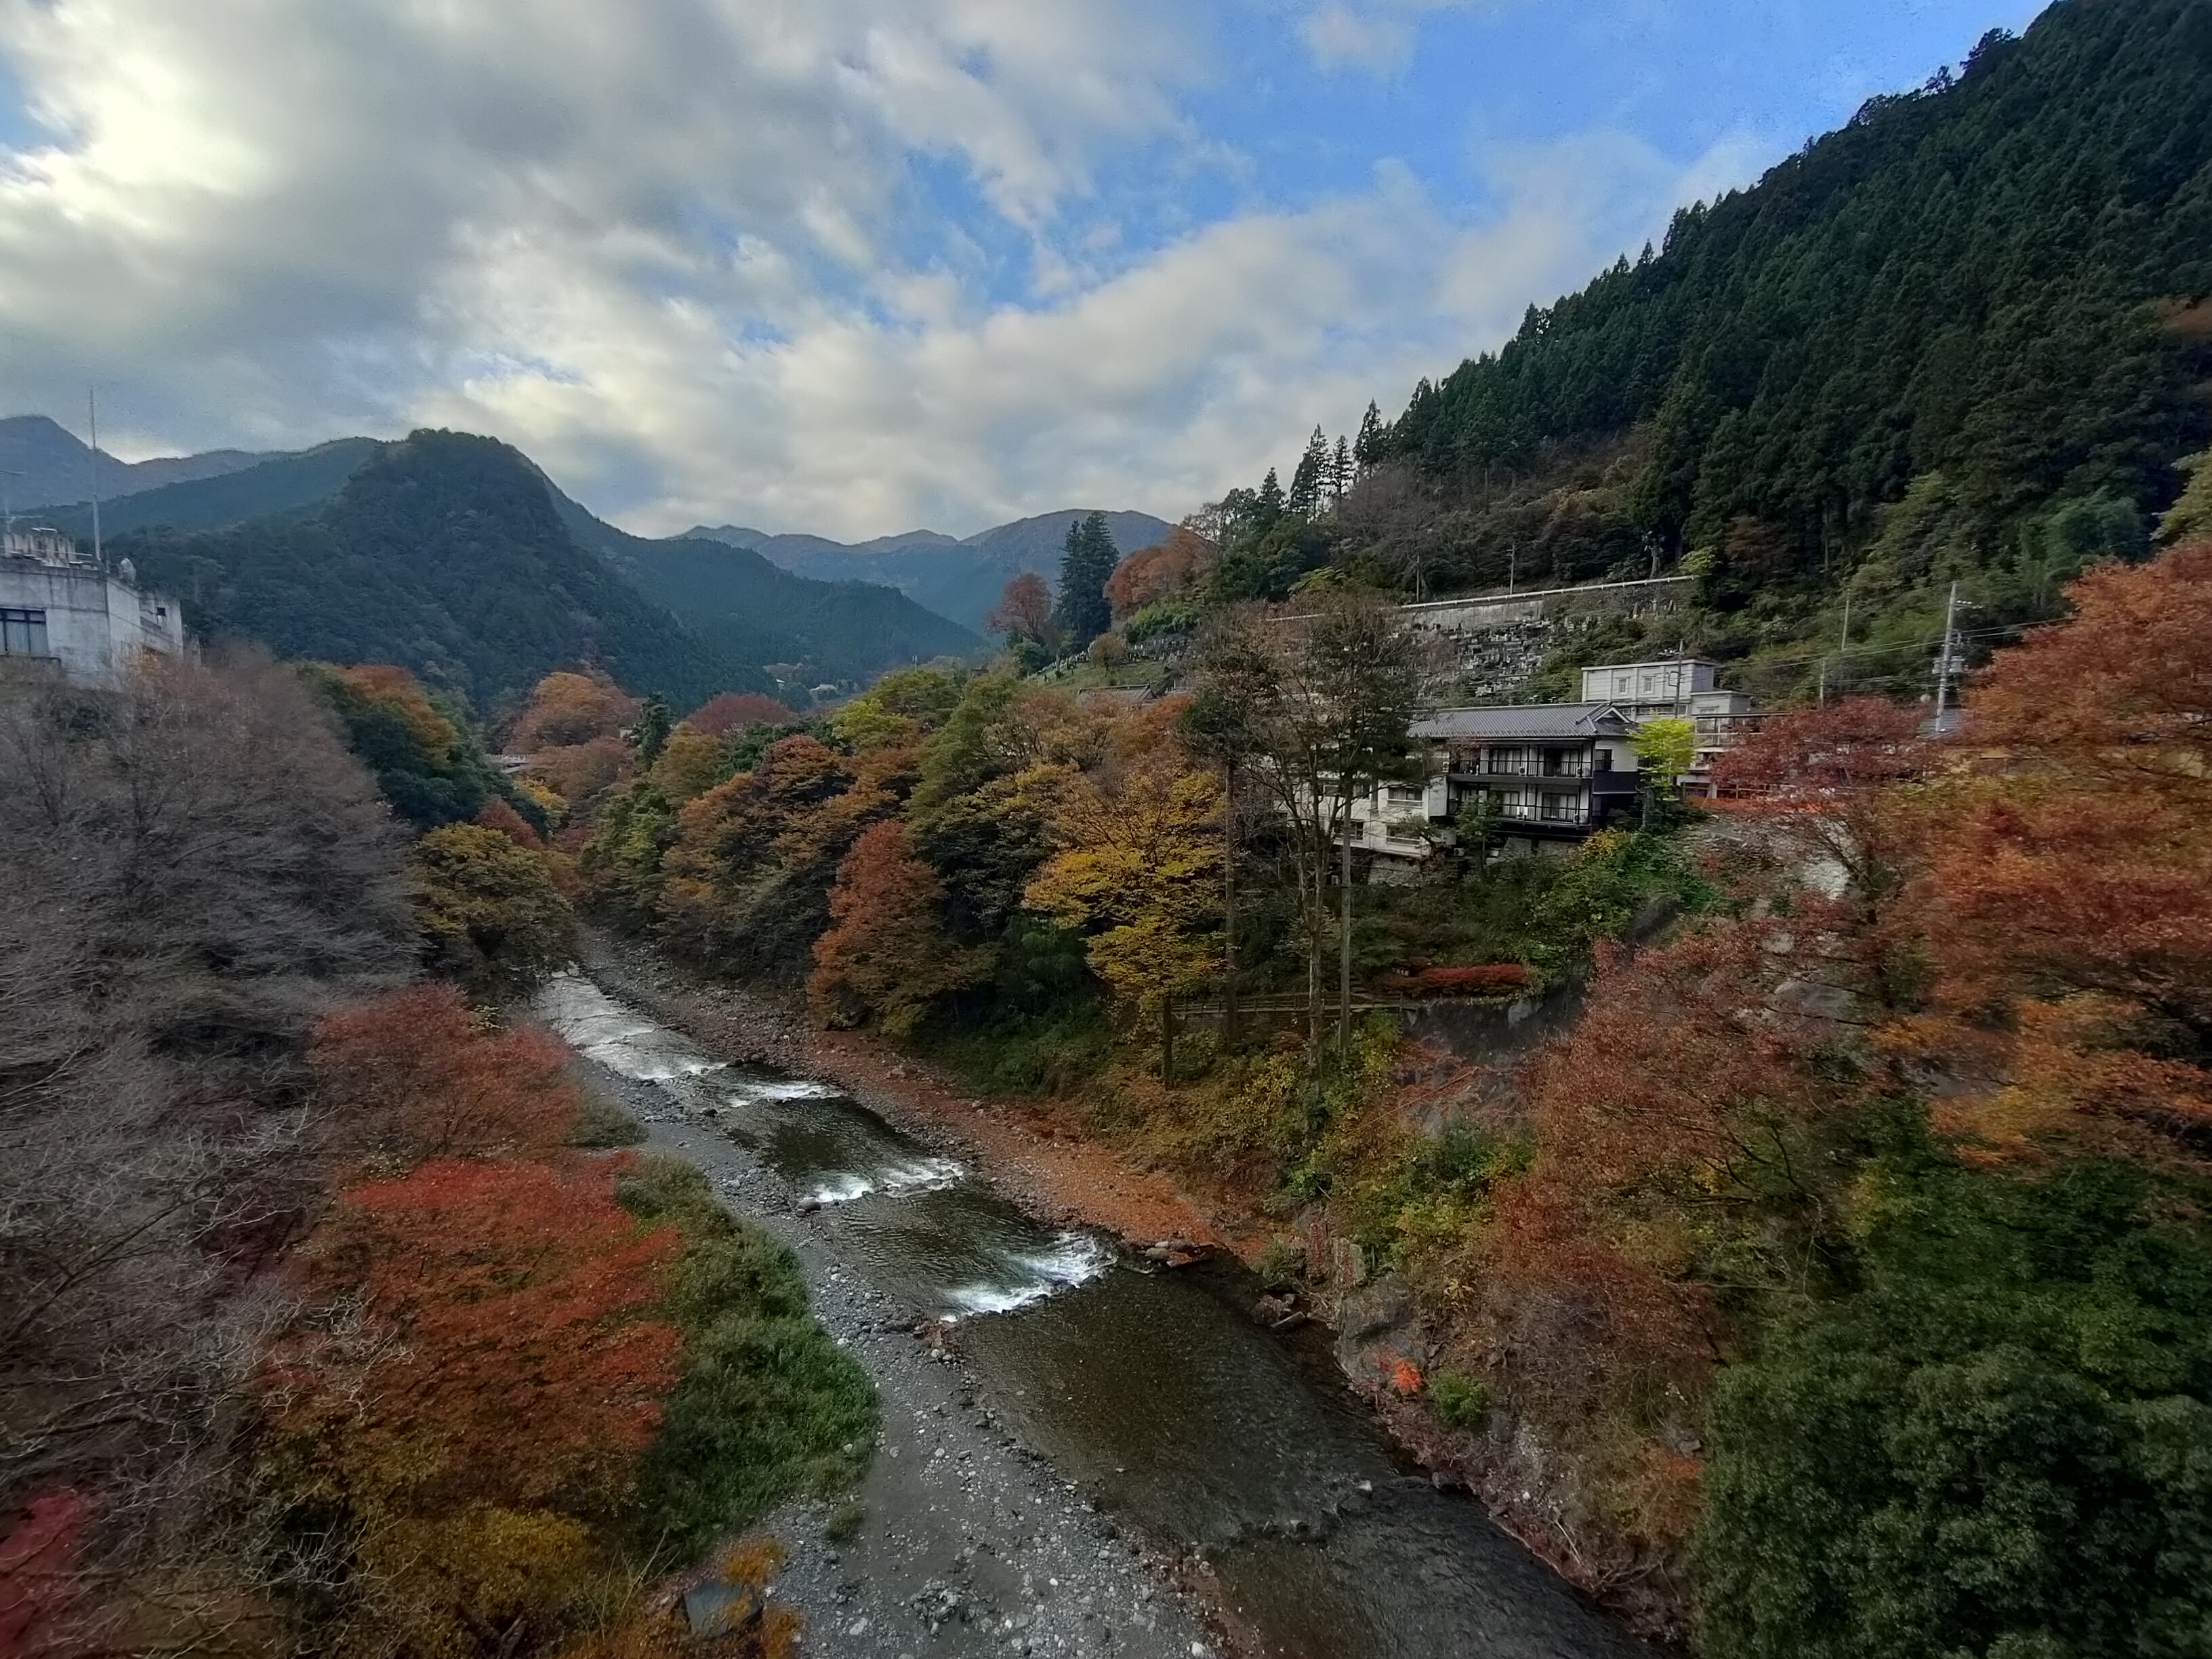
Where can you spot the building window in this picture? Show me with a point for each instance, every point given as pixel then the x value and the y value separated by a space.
pixel 1401 796
pixel 1563 809
pixel 1516 803
pixel 23 634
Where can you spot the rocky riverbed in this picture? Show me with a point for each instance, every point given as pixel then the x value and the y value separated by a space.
pixel 960 1540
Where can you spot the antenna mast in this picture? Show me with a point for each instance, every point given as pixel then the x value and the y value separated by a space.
pixel 92 421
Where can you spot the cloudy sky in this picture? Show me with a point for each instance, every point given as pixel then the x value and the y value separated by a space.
pixel 853 266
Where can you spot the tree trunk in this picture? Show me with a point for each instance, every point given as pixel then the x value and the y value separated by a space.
pixel 1344 943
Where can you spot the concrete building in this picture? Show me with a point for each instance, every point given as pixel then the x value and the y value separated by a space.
pixel 1678 688
pixel 61 613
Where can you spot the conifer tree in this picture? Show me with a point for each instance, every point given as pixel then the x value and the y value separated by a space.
pixel 1267 506
pixel 1088 559
pixel 1368 449
pixel 1340 472
pixel 1306 481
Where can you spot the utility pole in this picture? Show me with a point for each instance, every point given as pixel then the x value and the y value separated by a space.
pixel 1512 564
pixel 92 421
pixel 7 513
pixel 1947 661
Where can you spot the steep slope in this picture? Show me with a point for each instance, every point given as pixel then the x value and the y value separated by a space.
pixel 961 579
pixel 1988 293
pixel 52 465
pixel 749 608
pixel 444 553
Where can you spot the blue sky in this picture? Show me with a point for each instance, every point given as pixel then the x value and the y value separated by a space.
pixel 856 265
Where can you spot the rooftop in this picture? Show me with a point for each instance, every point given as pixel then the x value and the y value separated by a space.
pixel 1572 722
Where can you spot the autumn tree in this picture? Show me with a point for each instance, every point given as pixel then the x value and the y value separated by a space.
pixel 886 957
pixel 1137 871
pixel 733 711
pixel 491 914
pixel 478 1388
pixel 1340 697
pixel 1163 571
pixel 1024 610
pixel 2068 878
pixel 566 708
pixel 419 1074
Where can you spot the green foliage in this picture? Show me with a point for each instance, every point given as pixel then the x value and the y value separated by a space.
pixel 418 746
pixel 766 1405
pixel 490 913
pixel 2190 515
pixel 751 611
pixel 445 554
pixel 1665 750
pixel 1954 281
pixel 1602 888
pixel 2000 1445
pixel 1460 1401
pixel 1088 560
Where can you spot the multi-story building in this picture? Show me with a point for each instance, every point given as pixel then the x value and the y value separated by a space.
pixel 1552 773
pixel 62 613
pixel 1679 688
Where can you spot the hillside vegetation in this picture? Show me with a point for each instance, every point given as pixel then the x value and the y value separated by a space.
pixel 1965 337
pixel 444 554
pixel 753 610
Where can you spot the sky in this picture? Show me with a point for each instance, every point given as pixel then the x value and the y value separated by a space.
pixel 858 266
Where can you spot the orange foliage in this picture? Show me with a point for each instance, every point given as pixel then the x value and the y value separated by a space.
pixel 567 708
pixel 498 815
pixel 1024 610
pixel 515 1369
pixel 2069 885
pixel 1160 572
pixel 733 711
pixel 581 771
pixel 886 955
pixel 417 1073
pixel 379 681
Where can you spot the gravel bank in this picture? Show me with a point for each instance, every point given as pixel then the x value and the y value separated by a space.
pixel 964 1542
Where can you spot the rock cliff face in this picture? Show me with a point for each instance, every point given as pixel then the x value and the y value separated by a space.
pixel 1488 647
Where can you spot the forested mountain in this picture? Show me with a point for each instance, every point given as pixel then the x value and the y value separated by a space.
pixel 1965 337
pixel 444 553
pixel 961 579
pixel 281 483
pixel 748 608
pixel 50 465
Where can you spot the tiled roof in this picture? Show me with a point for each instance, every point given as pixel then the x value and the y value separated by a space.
pixel 1571 721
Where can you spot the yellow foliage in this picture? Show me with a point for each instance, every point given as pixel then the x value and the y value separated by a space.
pixel 691 763
pixel 1140 872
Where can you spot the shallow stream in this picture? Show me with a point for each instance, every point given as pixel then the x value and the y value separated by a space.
pixel 1154 1391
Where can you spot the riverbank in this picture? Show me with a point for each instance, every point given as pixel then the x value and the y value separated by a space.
pixel 1027 1150
pixel 961 1540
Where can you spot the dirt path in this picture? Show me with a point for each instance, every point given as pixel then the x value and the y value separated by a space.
pixel 1026 1149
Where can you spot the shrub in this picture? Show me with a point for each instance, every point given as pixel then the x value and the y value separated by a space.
pixel 766 1404
pixel 1460 1401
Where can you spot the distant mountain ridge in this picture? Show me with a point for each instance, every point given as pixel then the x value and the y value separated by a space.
pixel 269 550
pixel 43 463
pixel 956 578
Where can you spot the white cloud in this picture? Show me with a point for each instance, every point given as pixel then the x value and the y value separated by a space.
pixel 669 248
pixel 1339 37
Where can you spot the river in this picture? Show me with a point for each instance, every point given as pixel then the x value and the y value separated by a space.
pixel 1152 1393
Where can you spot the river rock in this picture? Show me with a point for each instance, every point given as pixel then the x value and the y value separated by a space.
pixel 1378 1336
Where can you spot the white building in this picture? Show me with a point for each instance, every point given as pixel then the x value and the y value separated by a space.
pixel 1552 773
pixel 1679 688
pixel 61 612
